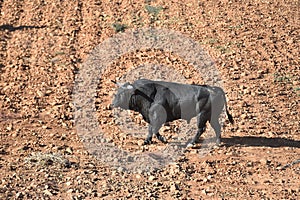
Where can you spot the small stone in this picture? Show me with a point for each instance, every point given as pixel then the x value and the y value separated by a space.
pixel 174 187
pixel 246 91
pixel 47 192
pixel 68 183
pixel 243 74
pixel 44 127
pixel 291 41
pixel 89 191
pixel 69 150
pixel 48 92
pixel 156 183
pixel 40 94
pixel 295 83
pixel 138 176
pixel 190 145
pixel 14 135
pixel 121 169
pixel 264 161
pixel 249 164
pixel 151 178
pixel 19 195
pixel 243 116
pixel 103 140
pixel 165 128
pixel 141 142
pixel 70 191
pixel 9 128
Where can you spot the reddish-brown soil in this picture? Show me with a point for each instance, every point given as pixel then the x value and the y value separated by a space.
pixel 255 45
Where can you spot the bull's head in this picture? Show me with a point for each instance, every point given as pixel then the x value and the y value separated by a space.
pixel 124 93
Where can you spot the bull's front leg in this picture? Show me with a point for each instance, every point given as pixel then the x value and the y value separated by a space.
pixel 158 117
pixel 161 138
pixel 148 140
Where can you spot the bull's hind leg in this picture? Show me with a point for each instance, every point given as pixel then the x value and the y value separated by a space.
pixel 201 123
pixel 217 128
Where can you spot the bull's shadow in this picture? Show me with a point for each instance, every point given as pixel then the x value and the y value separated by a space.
pixel 260 142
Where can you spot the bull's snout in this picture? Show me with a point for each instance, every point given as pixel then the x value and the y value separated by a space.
pixel 113 104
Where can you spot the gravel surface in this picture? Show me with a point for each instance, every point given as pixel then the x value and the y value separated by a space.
pixel 46 45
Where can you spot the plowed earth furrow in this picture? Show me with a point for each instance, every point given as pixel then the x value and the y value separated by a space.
pixel 43 44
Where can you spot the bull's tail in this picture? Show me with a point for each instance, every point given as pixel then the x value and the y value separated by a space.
pixel 230 118
pixel 221 92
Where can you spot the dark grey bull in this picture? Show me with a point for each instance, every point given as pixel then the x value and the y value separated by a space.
pixel 160 102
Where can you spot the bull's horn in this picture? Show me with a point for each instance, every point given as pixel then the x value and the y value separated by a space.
pixel 117 83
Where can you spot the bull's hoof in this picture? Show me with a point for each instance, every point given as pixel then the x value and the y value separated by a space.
pixel 147 142
pixel 162 139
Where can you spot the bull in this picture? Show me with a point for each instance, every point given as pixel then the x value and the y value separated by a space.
pixel 159 102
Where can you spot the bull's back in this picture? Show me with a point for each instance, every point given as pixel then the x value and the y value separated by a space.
pixel 180 90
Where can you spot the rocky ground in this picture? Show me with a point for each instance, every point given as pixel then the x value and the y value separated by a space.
pixel 44 44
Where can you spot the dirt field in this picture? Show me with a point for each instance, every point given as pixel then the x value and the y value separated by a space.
pixel 255 46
